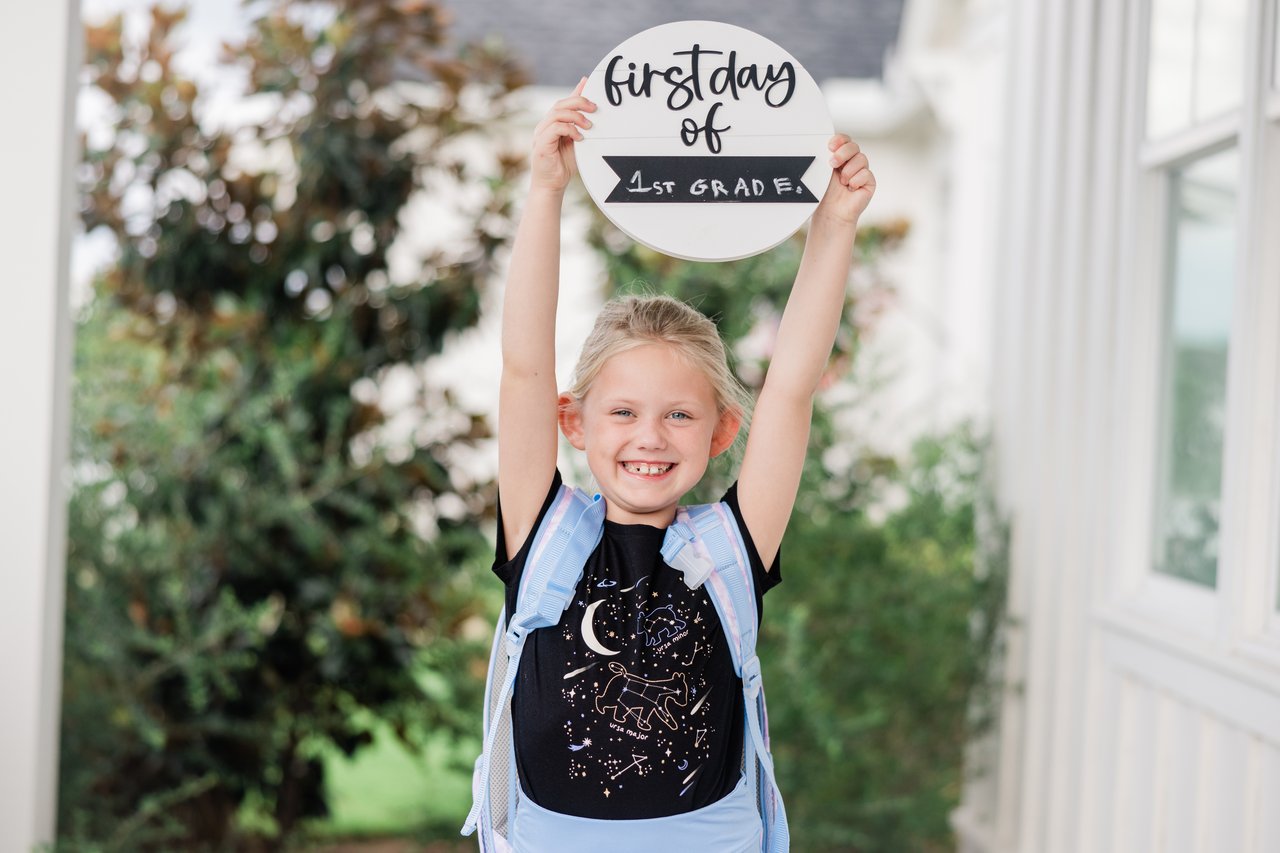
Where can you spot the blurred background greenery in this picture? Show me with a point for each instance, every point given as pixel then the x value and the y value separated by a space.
pixel 277 616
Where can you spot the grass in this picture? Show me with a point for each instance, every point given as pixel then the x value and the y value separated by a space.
pixel 386 790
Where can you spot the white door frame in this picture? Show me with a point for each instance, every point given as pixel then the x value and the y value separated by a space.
pixel 36 222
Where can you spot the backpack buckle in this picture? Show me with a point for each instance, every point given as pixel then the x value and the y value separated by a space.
pixel 751 676
pixel 515 639
pixel 680 552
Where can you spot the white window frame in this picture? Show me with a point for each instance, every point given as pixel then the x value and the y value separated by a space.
pixel 1273 97
pixel 1237 622
pixel 1257 637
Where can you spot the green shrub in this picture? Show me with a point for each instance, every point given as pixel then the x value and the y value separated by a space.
pixel 258 565
pixel 877 646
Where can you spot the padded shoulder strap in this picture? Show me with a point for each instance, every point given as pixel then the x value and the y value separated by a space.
pixel 707 546
pixel 568 533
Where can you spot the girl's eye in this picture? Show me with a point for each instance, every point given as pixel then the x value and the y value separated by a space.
pixel 681 416
pixel 623 412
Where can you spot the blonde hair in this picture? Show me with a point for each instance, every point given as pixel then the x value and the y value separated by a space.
pixel 627 322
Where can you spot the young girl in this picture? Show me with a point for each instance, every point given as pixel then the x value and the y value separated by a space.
pixel 628 715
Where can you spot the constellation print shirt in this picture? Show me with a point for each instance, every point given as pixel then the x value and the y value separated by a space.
pixel 629 707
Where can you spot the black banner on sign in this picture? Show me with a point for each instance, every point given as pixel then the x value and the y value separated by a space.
pixel 724 180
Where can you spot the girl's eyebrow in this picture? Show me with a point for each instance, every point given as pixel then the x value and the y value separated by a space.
pixel 670 404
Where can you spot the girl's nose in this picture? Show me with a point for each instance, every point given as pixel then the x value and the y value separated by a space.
pixel 651 435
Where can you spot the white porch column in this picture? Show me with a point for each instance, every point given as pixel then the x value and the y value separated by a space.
pixel 36 161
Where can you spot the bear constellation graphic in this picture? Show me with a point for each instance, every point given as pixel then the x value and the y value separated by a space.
pixel 641 698
pixel 659 624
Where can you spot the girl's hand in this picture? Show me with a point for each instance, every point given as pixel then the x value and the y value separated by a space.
pixel 851 185
pixel 552 163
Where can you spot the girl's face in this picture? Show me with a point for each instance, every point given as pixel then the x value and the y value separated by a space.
pixel 648 425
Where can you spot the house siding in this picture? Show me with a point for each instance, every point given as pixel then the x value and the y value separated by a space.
pixel 1139 713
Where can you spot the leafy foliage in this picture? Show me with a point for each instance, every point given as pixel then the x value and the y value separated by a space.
pixel 881 645
pixel 257 560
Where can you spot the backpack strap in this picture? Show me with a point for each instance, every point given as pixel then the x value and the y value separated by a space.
pixel 706 545
pixel 570 530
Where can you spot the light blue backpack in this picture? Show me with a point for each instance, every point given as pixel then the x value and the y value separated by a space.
pixel 705 544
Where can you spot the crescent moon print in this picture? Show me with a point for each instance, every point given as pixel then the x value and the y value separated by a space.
pixel 588 631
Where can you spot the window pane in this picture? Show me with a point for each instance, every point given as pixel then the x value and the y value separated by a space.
pixel 1196 64
pixel 1169 74
pixel 1201 276
pixel 1220 49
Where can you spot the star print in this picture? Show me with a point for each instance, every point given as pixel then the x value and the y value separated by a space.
pixel 606 793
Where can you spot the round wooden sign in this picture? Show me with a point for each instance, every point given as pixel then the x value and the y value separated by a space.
pixel 709 142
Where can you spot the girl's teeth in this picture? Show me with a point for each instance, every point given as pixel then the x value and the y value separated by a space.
pixel 648 470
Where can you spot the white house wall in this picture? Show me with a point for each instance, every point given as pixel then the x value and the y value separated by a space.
pixel 1138 715
pixel 955 54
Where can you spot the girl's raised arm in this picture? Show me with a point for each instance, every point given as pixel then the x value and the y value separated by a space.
pixel 527 395
pixel 779 436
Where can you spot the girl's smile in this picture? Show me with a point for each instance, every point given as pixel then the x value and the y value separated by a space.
pixel 648 470
pixel 649 425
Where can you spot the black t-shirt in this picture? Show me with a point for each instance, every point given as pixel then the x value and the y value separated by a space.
pixel 629 707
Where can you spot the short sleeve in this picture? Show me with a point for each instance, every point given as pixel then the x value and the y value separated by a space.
pixel 764 580
pixel 508 569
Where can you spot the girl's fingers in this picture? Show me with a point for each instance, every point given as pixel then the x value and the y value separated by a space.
pixel 856 163
pixel 575 103
pixel 561 117
pixel 842 154
pixel 849 170
pixel 554 131
pixel 862 179
pixel 570 116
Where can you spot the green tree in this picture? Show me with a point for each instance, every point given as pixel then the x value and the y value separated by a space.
pixel 256 562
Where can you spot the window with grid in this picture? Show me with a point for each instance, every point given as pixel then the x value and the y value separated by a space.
pixel 1195 88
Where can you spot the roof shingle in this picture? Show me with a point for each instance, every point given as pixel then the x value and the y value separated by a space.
pixel 561 40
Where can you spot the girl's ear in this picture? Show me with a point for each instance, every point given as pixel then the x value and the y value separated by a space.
pixel 569 414
pixel 726 431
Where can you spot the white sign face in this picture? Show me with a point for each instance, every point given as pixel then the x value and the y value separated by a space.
pixel 709 142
